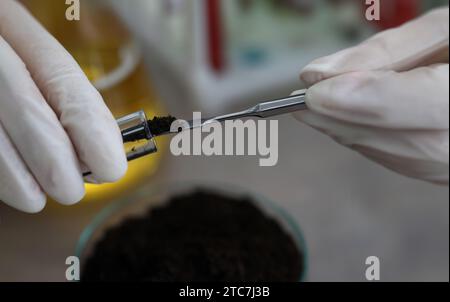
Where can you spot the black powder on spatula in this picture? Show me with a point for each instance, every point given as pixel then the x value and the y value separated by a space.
pixel 203 236
pixel 160 125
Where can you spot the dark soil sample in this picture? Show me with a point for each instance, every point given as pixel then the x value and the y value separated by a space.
pixel 203 236
pixel 161 125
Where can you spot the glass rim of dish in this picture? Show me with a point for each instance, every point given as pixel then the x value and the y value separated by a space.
pixel 267 206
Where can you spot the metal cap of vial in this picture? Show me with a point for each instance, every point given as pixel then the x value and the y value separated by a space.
pixel 137 138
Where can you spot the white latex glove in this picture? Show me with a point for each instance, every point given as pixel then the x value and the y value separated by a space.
pixel 52 120
pixel 388 98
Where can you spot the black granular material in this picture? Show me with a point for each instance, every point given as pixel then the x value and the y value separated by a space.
pixel 161 125
pixel 203 236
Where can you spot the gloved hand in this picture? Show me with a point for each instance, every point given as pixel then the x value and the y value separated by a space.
pixel 388 98
pixel 52 120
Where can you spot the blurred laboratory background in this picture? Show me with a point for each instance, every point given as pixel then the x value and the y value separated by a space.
pixel 179 56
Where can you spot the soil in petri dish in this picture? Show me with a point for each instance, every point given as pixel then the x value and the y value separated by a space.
pixel 202 236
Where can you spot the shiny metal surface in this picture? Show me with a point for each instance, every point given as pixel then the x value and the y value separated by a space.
pixel 262 110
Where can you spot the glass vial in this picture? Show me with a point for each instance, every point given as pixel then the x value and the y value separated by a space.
pixel 137 138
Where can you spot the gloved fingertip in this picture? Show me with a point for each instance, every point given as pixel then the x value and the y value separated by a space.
pixel 113 173
pixel 108 164
pixel 101 150
pixel 335 96
pixel 119 171
pixel 36 208
pixel 70 198
pixel 65 185
pixel 315 97
pixel 316 71
pixel 309 77
pixel 32 205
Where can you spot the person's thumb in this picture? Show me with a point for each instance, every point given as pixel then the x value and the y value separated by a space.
pixel 421 42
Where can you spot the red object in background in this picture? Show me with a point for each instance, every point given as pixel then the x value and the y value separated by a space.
pixel 215 35
pixel 396 12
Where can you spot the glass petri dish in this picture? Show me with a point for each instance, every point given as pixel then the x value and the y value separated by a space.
pixel 140 202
